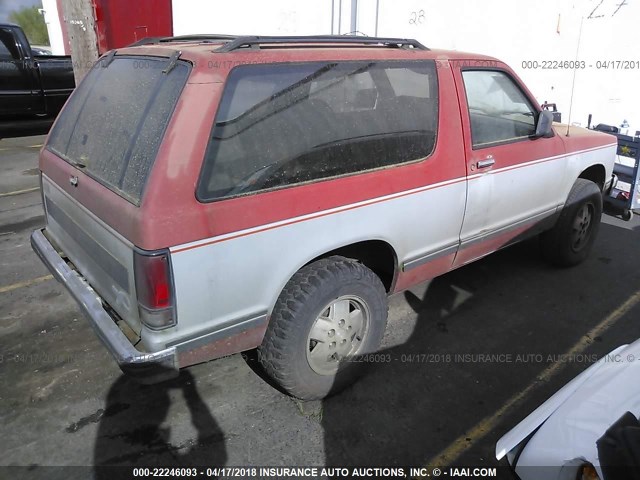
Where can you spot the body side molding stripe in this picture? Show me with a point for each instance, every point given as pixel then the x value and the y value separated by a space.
pixel 428 257
pixel 434 255
pixel 512 226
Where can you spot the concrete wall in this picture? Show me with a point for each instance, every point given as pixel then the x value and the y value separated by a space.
pixel 540 30
pixel 254 17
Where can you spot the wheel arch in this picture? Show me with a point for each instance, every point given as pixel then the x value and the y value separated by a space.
pixel 377 255
pixel 595 173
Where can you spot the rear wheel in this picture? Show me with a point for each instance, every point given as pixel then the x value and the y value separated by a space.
pixel 330 311
pixel 569 242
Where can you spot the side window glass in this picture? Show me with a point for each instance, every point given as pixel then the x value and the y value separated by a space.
pixel 8 50
pixel 498 110
pixel 407 82
pixel 352 93
pixel 286 124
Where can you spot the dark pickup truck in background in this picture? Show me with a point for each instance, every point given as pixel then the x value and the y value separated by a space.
pixel 33 88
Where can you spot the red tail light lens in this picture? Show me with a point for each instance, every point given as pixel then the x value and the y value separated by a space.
pixel 154 289
pixel 152 281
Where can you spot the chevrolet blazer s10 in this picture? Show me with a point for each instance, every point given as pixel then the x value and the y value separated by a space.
pixel 210 195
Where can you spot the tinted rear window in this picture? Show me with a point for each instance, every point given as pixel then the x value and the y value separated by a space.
pixel 115 120
pixel 285 124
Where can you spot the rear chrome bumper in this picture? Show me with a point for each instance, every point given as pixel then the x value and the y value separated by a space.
pixel 148 367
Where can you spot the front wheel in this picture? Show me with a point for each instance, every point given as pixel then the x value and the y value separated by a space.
pixel 330 312
pixel 569 242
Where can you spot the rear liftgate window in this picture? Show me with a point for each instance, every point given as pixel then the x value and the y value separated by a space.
pixel 285 124
pixel 114 122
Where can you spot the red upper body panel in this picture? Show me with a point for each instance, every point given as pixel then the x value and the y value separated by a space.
pixel 170 214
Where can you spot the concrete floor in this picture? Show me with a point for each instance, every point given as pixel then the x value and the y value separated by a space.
pixel 63 400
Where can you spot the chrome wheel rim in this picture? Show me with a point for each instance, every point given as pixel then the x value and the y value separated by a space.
pixel 337 333
pixel 582 227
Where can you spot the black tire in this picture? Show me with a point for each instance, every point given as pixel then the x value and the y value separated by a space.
pixel 284 350
pixel 570 241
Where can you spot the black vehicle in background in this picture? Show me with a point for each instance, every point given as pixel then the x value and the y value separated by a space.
pixel 33 88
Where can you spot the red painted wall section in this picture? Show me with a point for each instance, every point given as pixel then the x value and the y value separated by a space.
pixel 122 22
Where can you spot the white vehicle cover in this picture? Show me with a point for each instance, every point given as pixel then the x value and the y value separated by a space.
pixel 572 420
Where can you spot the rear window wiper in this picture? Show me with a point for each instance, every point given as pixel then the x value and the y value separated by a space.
pixel 172 61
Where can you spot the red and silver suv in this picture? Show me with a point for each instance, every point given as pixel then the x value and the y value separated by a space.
pixel 209 195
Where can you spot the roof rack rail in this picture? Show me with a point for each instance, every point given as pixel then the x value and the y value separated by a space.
pixel 145 41
pixel 236 42
pixel 252 41
pixel 199 38
pixel 183 38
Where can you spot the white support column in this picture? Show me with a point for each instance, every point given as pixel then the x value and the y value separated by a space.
pixel 52 20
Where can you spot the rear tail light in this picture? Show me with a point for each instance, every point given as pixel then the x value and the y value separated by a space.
pixel 154 289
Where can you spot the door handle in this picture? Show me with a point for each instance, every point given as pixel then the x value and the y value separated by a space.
pixel 488 162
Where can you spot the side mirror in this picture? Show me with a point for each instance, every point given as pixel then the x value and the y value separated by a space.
pixel 543 128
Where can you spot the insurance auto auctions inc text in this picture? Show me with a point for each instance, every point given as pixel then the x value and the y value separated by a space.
pixel 373 472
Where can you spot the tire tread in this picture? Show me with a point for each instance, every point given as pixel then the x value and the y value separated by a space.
pixel 275 353
pixel 554 241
